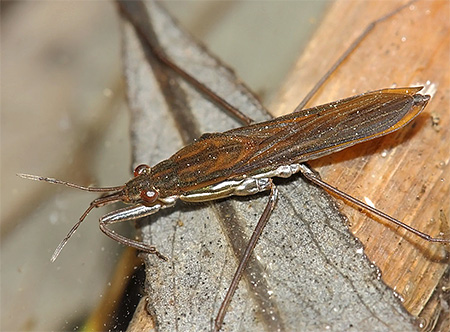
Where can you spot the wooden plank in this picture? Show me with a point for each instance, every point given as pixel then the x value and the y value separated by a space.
pixel 405 174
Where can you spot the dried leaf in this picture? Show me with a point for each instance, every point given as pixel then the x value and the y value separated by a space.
pixel 308 272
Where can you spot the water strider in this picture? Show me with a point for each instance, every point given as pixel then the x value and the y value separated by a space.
pixel 243 161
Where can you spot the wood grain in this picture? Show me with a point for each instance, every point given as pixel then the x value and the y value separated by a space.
pixel 405 174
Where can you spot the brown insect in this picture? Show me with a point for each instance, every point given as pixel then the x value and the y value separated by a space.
pixel 243 161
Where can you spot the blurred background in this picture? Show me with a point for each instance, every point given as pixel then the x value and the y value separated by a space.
pixel 64 115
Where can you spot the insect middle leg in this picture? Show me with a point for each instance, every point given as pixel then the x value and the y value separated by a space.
pixel 247 254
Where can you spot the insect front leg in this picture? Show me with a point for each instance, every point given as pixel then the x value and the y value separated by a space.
pixel 130 213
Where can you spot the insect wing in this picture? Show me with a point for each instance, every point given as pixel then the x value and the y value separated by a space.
pixel 321 130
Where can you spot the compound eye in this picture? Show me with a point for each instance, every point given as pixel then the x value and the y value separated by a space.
pixel 141 169
pixel 149 196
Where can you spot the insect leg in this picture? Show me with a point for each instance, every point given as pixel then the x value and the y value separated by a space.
pixel 345 55
pixel 130 213
pixel 247 254
pixel 311 176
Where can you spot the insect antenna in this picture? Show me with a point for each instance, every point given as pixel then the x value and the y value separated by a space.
pixel 108 199
pixel 116 196
pixel 68 184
